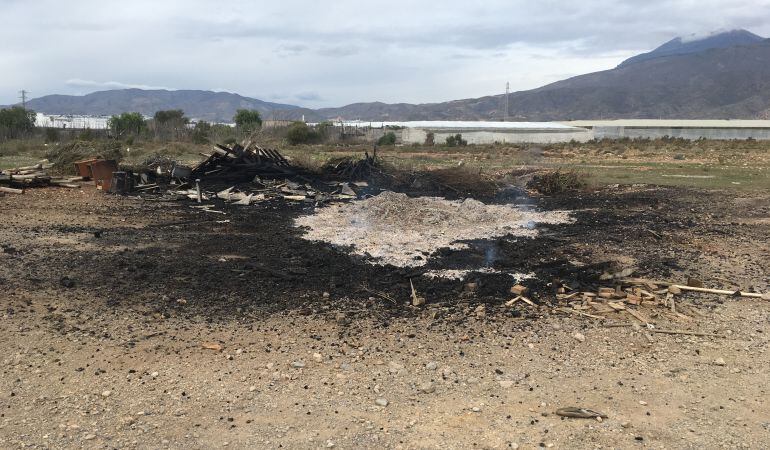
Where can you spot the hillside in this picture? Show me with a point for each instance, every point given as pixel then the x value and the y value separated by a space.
pixel 717 83
pixel 206 105
pixel 722 76
pixel 684 46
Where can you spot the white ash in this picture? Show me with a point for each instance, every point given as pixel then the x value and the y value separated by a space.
pixel 400 230
pixel 460 274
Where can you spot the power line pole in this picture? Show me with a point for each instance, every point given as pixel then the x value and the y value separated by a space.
pixel 507 91
pixel 23 97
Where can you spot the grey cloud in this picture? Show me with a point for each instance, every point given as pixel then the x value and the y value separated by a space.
pixel 76 82
pixel 390 50
pixel 308 97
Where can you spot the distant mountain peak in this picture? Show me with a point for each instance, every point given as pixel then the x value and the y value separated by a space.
pixel 696 43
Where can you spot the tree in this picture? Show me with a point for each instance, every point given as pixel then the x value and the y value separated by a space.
pixel 127 124
pixel 170 116
pixel 200 134
pixel 170 124
pixel 247 119
pixel 16 122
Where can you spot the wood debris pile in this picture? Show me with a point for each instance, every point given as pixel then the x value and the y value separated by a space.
pixel 633 300
pixel 353 169
pixel 267 190
pixel 237 163
pixel 14 181
pixel 640 300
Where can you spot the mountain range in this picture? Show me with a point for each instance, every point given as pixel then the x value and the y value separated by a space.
pixel 719 76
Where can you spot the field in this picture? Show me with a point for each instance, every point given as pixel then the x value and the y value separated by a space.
pixel 141 322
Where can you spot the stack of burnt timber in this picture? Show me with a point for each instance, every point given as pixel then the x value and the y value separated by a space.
pixel 237 164
pixel 352 169
pixel 17 179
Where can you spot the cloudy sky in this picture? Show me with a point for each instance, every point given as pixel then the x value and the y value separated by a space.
pixel 337 52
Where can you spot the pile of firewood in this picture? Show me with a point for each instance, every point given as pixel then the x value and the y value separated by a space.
pixel 14 181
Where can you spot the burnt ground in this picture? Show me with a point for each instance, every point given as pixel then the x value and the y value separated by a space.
pixel 257 262
pixel 84 272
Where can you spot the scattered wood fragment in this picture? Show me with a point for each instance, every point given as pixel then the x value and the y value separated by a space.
pixel 580 313
pixel 519 298
pixel 416 299
pixel 519 290
pixel 719 291
pixel 688 333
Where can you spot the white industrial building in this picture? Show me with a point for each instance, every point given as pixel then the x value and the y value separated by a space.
pixel 579 131
pixel 686 129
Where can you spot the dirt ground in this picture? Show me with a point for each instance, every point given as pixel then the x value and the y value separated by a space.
pixel 109 305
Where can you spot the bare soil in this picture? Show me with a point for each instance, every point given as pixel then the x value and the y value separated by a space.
pixel 109 305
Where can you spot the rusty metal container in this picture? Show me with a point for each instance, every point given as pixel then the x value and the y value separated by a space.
pixel 83 168
pixel 101 172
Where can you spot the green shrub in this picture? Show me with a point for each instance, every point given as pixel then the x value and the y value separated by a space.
pixel 456 141
pixel 300 133
pixel 388 138
pixel 51 135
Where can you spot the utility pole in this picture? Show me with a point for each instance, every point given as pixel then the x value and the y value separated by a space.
pixel 507 91
pixel 23 97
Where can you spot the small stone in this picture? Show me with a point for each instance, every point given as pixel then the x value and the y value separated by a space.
pixel 252 388
pixel 298 364
pixel 106 393
pixel 720 362
pixel 229 357
pixel 317 357
pixel 476 409
pixel 506 384
pixel 154 374
pixel 674 290
pixel 329 443
pixel 642 402
pixel 326 295
pixel 381 402
pixel 433 365
pixel 625 424
pixel 513 445
pixel 480 311
pixel 579 337
pixel 89 437
pixel 427 388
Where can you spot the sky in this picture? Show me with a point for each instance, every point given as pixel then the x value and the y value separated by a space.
pixel 319 54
